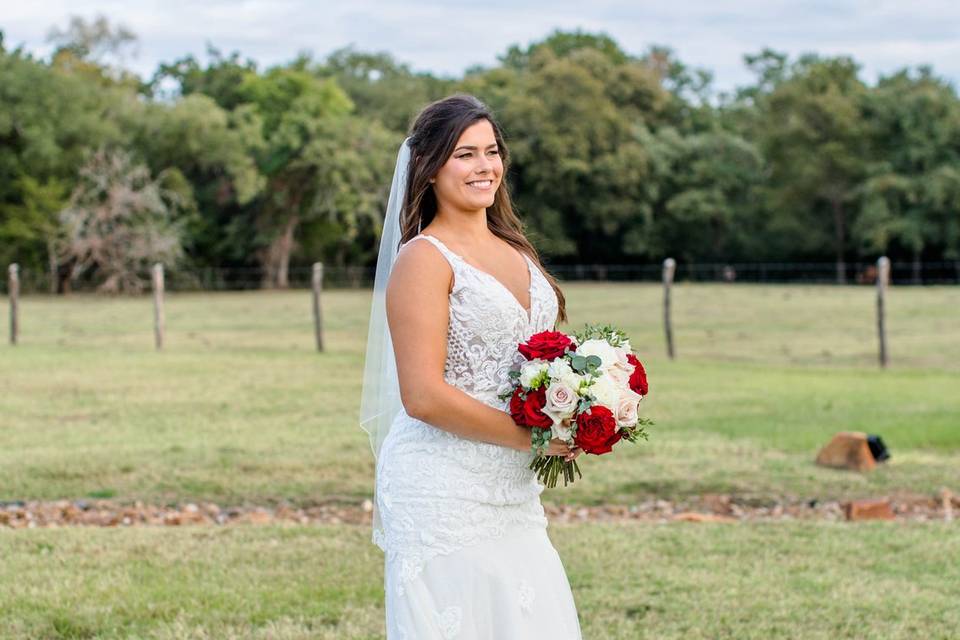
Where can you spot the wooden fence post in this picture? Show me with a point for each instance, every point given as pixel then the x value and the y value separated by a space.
pixel 317 285
pixel 669 267
pixel 14 289
pixel 158 305
pixel 883 279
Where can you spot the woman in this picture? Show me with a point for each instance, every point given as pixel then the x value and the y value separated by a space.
pixel 457 509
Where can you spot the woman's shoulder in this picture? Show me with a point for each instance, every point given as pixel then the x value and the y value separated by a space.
pixel 420 263
pixel 439 248
pixel 418 248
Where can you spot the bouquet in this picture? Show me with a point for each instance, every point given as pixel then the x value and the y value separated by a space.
pixel 584 389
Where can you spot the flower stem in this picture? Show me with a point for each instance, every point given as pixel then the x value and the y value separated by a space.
pixel 549 468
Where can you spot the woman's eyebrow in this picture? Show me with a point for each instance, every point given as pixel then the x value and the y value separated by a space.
pixel 472 147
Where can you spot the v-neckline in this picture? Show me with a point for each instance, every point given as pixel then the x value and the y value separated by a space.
pixel 527 312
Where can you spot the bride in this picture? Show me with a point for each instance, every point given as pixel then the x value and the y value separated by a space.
pixel 457 511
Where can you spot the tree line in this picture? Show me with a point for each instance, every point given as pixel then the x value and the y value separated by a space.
pixel 616 158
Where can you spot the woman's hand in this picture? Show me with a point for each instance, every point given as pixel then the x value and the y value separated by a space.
pixel 558 447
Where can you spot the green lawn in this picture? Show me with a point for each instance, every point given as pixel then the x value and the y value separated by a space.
pixel 811 580
pixel 240 407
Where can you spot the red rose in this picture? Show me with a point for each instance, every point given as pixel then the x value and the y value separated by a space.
pixel 638 379
pixel 527 413
pixel 516 406
pixel 546 344
pixel 597 431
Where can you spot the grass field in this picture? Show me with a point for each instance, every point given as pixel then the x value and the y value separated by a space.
pixel 680 580
pixel 240 408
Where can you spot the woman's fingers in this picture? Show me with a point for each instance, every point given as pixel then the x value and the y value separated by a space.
pixel 568 450
pixel 558 447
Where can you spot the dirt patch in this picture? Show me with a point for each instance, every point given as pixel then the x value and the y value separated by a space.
pixel 704 508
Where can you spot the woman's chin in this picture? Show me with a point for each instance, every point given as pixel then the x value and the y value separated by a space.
pixel 488 200
pixel 475 204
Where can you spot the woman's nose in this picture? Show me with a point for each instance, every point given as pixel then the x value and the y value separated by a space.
pixel 485 164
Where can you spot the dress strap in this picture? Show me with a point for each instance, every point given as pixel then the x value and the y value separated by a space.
pixel 451 257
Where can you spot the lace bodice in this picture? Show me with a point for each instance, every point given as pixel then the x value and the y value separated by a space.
pixel 437 492
pixel 486 322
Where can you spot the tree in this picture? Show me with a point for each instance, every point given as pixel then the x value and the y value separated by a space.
pixel 574 110
pixel 688 108
pixel 615 156
pixel 33 223
pixel 910 197
pixel 216 152
pixel 708 207
pixel 222 79
pixel 296 109
pixel 118 222
pixel 814 138
pixel 94 41
pixel 49 118
pixel 380 88
pixel 94 49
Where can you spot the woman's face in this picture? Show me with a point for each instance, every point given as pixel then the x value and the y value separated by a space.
pixel 471 176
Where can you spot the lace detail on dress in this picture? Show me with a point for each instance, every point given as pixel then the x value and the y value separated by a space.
pixel 483 333
pixel 449 621
pixel 526 595
pixel 438 492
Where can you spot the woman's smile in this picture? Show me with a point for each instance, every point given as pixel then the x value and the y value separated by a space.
pixel 481 185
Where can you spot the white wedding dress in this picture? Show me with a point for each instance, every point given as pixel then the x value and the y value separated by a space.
pixel 467 555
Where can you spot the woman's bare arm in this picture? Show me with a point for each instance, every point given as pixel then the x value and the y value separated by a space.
pixel 418 314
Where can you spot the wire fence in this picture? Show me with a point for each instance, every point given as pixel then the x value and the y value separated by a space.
pixel 776 323
pixel 33 281
pixel 945 272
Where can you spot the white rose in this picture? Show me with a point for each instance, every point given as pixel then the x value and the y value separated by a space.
pixel 606 390
pixel 559 368
pixel 625 410
pixel 572 380
pixel 531 369
pixel 621 370
pixel 562 430
pixel 601 349
pixel 561 401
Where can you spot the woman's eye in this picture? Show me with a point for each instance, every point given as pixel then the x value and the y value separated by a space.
pixel 467 155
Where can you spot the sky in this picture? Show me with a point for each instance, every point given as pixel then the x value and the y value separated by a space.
pixel 447 37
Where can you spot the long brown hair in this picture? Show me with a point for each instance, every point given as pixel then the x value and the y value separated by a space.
pixel 433 135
